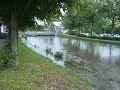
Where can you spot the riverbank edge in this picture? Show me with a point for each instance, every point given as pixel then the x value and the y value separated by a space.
pixel 36 72
pixel 89 39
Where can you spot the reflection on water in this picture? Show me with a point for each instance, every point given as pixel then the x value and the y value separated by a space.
pixel 105 58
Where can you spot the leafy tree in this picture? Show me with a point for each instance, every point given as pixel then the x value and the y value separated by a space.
pixel 80 14
pixel 93 15
pixel 19 14
pixel 111 12
pixel 68 21
pixel 72 18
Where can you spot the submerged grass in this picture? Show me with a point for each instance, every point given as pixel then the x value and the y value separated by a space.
pixel 36 72
pixel 78 66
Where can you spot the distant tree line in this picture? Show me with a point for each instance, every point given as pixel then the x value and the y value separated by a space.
pixel 100 16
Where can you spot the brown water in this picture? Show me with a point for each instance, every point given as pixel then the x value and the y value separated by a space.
pixel 103 57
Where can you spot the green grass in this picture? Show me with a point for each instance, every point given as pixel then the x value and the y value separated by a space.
pixel 89 39
pixel 36 72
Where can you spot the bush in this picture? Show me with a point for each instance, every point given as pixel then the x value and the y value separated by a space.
pixel 48 51
pixel 58 55
pixel 6 59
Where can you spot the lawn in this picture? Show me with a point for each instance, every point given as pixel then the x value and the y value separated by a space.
pixel 36 72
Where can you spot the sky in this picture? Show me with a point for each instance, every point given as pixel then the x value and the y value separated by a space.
pixel 55 23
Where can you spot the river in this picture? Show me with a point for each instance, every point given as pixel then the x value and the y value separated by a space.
pixel 103 58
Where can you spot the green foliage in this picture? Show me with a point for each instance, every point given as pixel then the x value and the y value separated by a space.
pixel 22 14
pixel 117 30
pixel 78 66
pixel 58 55
pixel 72 63
pixel 36 72
pixel 6 59
pixel 48 51
pixel 27 10
pixel 92 15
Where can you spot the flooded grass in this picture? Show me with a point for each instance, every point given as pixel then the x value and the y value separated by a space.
pixel 78 66
pixel 36 72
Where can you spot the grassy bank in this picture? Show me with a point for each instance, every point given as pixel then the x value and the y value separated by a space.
pixel 36 72
pixel 89 39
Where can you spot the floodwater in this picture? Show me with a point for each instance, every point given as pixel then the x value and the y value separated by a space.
pixel 103 57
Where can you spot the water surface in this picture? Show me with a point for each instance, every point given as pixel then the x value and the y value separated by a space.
pixel 103 57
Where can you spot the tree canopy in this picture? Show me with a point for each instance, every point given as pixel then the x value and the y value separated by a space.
pixel 19 14
pixel 93 15
pixel 27 10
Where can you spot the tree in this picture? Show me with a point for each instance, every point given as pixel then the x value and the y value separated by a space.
pixel 93 15
pixel 71 20
pixel 81 13
pixel 0 24
pixel 110 10
pixel 19 14
pixel 68 21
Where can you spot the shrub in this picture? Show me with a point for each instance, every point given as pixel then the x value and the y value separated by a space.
pixel 48 50
pixel 58 55
pixel 6 59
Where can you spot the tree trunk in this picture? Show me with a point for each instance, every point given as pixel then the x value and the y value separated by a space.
pixel 79 31
pixel 0 25
pixel 83 30
pixel 92 25
pixel 9 38
pixel 14 35
pixel 0 29
pixel 113 25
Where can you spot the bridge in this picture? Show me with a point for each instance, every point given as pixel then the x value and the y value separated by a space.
pixel 40 33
